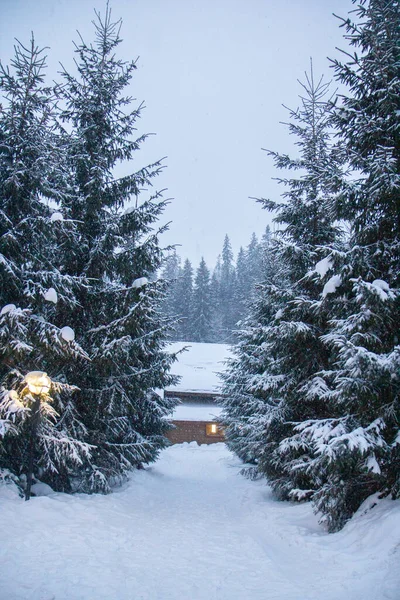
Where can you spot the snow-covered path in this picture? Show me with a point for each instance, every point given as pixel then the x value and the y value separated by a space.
pixel 192 528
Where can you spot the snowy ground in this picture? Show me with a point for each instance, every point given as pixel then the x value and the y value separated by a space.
pixel 192 528
pixel 199 366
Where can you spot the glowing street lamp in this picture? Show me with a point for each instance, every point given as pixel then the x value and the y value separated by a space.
pixel 38 385
pixel 38 382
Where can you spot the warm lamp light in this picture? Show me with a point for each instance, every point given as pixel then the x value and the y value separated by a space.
pixel 38 382
pixel 213 428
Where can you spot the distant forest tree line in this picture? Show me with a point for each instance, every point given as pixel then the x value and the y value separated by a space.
pixel 208 305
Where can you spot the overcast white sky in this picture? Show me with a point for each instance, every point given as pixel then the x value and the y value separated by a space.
pixel 213 75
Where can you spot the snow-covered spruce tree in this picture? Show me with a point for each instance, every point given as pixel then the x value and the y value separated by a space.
pixel 247 405
pixel 170 273
pixel 34 291
pixel 216 315
pixel 282 349
pixel 266 245
pixel 226 291
pixel 307 241
pixel 201 307
pixel 184 299
pixel 357 449
pixel 118 319
pixel 308 238
pixel 248 272
pixel 254 262
pixel 241 289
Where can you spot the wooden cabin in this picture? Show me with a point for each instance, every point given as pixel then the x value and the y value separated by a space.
pixel 195 419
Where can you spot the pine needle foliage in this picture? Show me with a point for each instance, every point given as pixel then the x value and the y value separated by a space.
pixel 119 322
pixel 280 349
pixel 357 448
pixel 34 290
pixel 331 351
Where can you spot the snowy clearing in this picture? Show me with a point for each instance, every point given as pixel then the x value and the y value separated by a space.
pixel 199 366
pixel 192 528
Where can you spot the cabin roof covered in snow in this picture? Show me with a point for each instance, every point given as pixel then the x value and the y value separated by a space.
pixel 199 366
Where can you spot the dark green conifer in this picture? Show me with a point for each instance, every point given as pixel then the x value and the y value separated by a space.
pixel 118 319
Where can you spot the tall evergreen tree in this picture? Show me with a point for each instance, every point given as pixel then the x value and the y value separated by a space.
pixel 34 290
pixel 356 447
pixel 170 274
pixel 254 262
pixel 248 272
pixel 308 237
pixel 226 290
pixel 280 350
pixel 184 300
pixel 201 308
pixel 266 252
pixel 241 290
pixel 251 392
pixel 118 318
pixel 215 295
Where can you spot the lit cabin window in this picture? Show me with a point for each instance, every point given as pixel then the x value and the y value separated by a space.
pixel 212 429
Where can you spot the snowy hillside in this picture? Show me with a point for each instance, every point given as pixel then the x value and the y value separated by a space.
pixel 199 366
pixel 192 528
